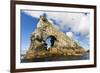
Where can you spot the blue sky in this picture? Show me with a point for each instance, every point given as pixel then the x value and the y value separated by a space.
pixel 74 25
pixel 28 25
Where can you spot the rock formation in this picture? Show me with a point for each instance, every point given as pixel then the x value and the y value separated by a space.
pixel 61 44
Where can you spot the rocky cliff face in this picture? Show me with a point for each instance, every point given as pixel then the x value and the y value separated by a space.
pixel 61 44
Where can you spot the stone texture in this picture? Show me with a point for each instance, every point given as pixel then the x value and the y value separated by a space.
pixel 63 45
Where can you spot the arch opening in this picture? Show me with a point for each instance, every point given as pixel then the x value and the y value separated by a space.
pixel 50 41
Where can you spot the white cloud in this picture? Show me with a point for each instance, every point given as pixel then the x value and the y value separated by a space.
pixel 70 34
pixel 83 25
pixel 33 13
pixel 78 22
pixel 38 25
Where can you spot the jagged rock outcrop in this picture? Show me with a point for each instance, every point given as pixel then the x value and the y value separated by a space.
pixel 61 44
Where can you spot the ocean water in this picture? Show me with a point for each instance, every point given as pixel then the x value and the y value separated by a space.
pixel 62 58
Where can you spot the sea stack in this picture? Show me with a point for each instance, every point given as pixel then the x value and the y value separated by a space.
pixel 59 43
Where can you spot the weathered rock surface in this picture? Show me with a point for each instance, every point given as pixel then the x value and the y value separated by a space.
pixel 62 44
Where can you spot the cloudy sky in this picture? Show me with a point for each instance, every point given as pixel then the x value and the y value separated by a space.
pixel 73 24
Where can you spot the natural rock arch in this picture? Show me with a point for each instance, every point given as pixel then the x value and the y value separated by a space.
pixel 50 40
pixel 47 29
pixel 61 44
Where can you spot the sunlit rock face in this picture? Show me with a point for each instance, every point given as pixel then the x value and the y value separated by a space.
pixel 47 40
